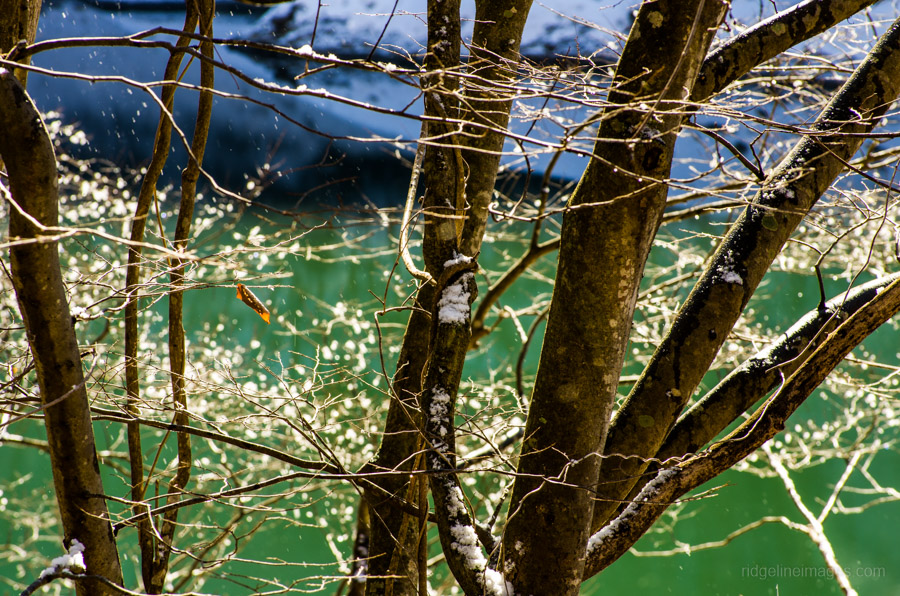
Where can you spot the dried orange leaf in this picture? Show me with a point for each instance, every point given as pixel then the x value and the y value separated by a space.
pixel 253 302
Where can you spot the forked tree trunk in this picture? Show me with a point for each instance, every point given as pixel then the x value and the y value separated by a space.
pixel 612 219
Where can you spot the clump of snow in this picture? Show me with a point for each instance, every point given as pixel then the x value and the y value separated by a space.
pixel 727 273
pixel 301 88
pixel 440 409
pixel 650 489
pixel 730 277
pixel 495 585
pixel 456 260
pixel 453 307
pixel 606 531
pixel 440 404
pixel 72 560
pixel 455 504
pixel 437 460
pixel 465 542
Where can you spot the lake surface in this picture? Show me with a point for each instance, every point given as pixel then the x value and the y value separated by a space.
pixel 319 294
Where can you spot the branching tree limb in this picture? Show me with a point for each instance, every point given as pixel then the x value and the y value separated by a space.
pixel 752 380
pixel 614 212
pixel 487 100
pixel 769 38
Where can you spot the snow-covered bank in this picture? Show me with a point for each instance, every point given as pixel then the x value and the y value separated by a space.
pixel 120 117
pixel 358 28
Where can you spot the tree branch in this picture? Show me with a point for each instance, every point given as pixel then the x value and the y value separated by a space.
pixel 769 419
pixel 205 11
pixel 717 300
pixel 487 100
pixel 768 38
pixel 146 196
pixel 753 379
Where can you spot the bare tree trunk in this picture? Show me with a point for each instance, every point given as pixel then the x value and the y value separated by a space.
pixel 614 215
pixel 147 538
pixel 177 354
pixel 398 446
pixel 469 160
pixel 31 165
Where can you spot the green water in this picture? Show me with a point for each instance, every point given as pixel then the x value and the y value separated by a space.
pixel 307 287
pixel 771 559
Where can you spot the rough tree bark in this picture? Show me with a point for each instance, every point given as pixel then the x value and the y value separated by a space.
pixel 26 148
